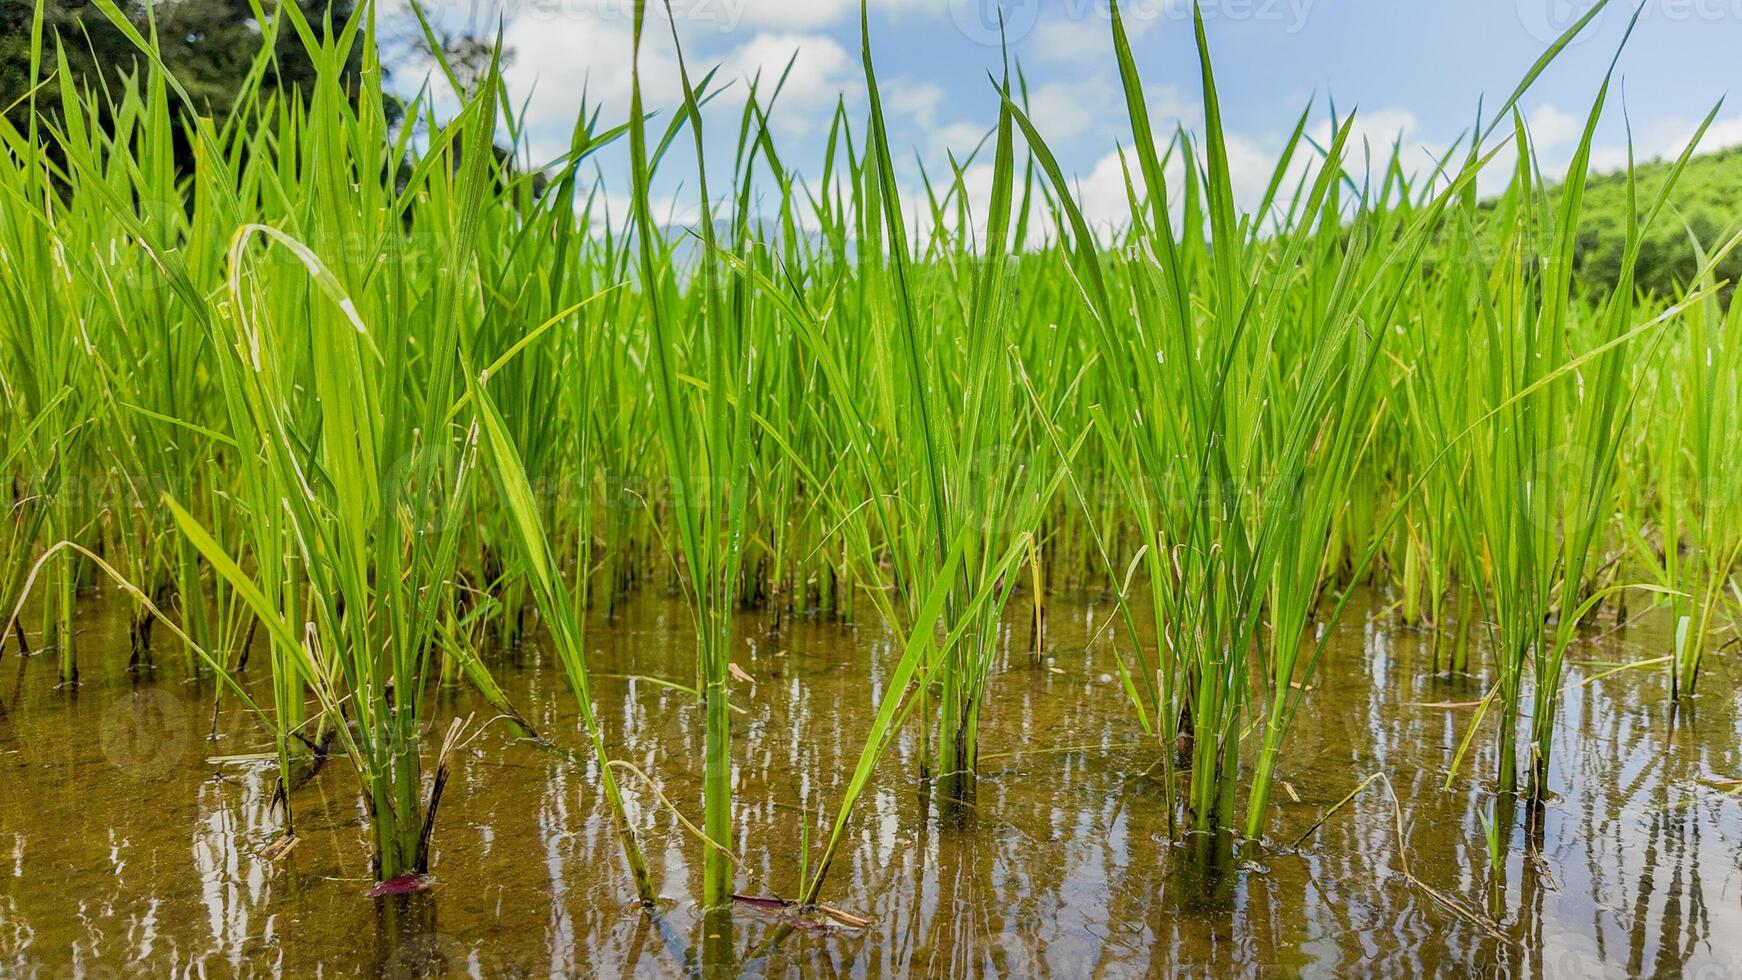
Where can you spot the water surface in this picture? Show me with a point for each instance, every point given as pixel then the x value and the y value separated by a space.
pixel 125 852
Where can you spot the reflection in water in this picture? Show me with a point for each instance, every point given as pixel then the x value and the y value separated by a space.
pixel 123 848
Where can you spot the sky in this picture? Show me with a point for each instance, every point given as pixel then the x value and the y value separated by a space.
pixel 1413 70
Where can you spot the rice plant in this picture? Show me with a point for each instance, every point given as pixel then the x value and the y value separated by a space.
pixel 1694 407
pixel 1553 400
pixel 364 397
pixel 704 439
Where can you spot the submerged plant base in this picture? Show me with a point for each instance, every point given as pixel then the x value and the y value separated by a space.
pixel 953 794
pixel 405 924
pixel 718 952
pixel 1208 872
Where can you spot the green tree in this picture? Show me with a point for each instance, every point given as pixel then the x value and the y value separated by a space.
pixel 208 44
pixel 1705 205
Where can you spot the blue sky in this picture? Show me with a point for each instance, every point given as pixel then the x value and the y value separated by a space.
pixel 1414 68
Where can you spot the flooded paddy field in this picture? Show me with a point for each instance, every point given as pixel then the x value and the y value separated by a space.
pixel 132 843
pixel 428 552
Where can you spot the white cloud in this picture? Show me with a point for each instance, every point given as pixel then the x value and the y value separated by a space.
pixel 1065 110
pixel 1551 127
pixel 546 72
pixel 1556 134
pixel 676 210
pixel 1725 132
pixel 976 187
pixel 1252 164
pixel 821 71
pixel 1667 137
pixel 1378 128
pixel 1374 134
pixel 917 101
pixel 1085 32
pixel 1073 40
pixel 959 138
pixel 1102 195
pixel 795 15
pixel 1068 113
pixel 556 61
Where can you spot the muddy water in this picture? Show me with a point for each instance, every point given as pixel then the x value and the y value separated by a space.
pixel 125 852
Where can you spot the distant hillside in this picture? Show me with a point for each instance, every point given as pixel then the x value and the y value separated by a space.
pixel 1706 201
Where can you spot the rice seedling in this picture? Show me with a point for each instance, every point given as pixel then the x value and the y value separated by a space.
pixel 1696 508
pixel 704 439
pixel 344 545
pixel 1222 484
pixel 49 387
pixel 1550 421
pixel 560 612
pixel 979 477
